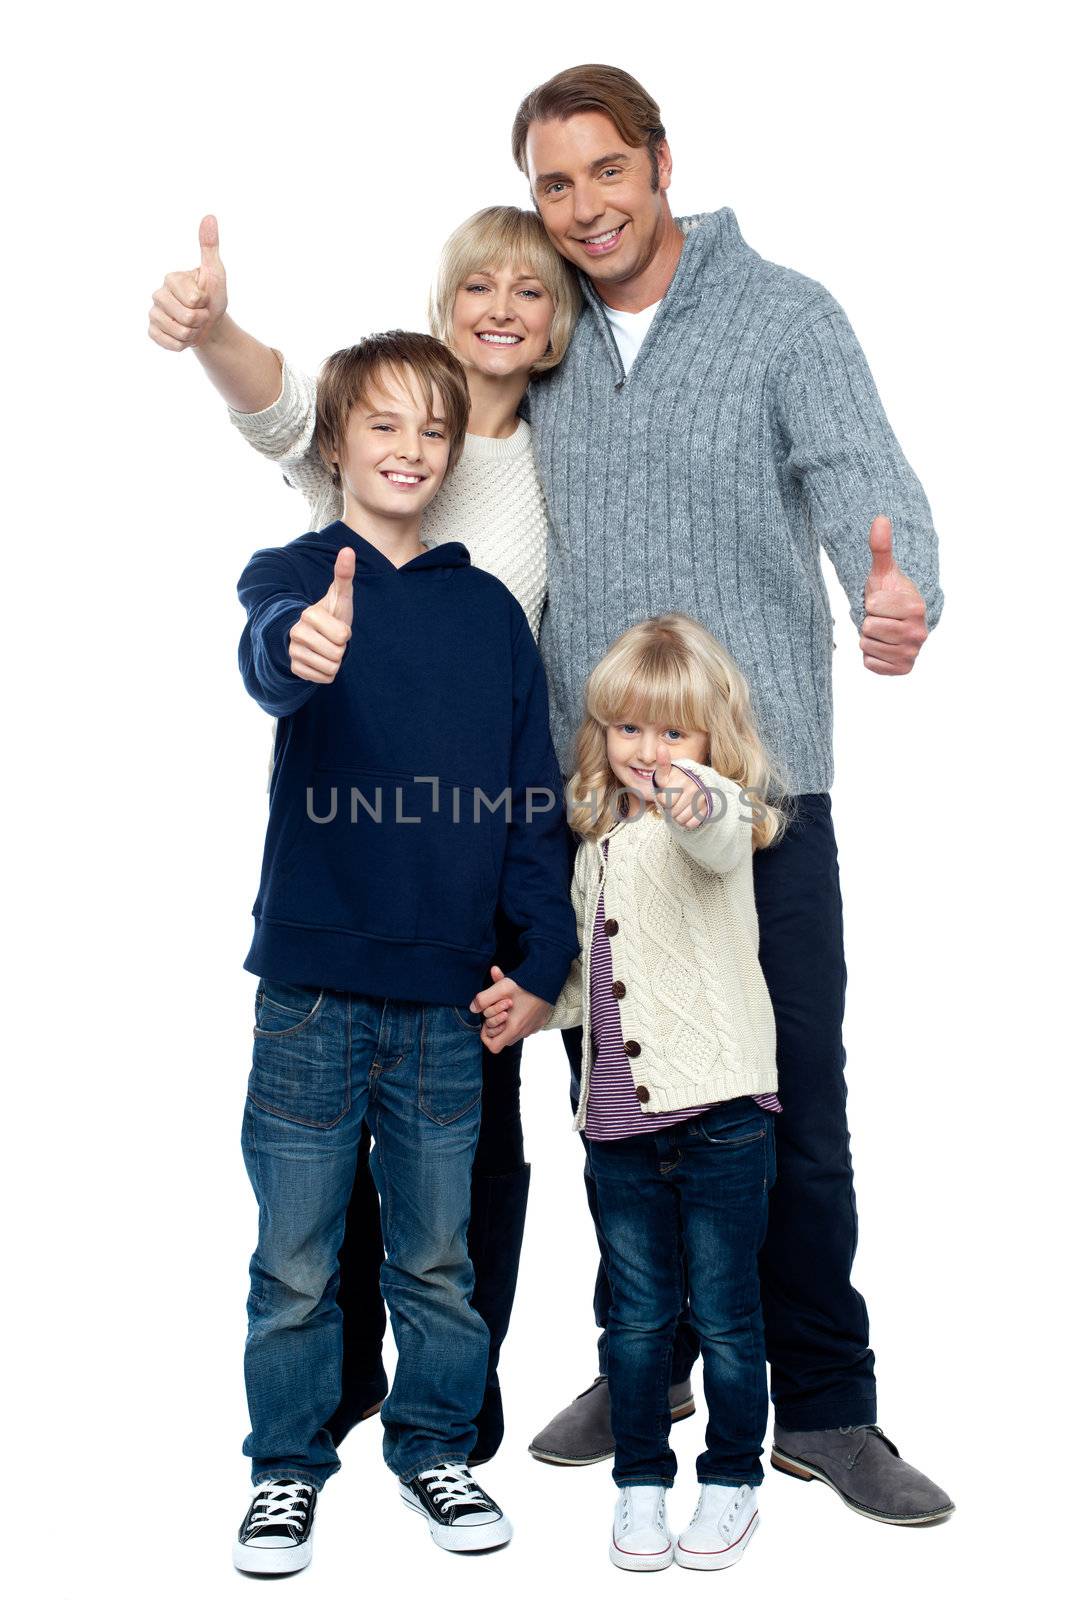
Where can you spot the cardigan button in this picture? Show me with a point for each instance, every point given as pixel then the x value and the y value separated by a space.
pixel 632 1048
pixel 617 989
pixel 643 1094
pixel 610 927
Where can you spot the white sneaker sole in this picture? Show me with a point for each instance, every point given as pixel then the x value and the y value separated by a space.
pixel 254 1558
pixel 639 1561
pixel 481 1536
pixel 715 1560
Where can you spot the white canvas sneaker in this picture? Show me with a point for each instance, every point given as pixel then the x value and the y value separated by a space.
pixel 641 1540
pixel 721 1528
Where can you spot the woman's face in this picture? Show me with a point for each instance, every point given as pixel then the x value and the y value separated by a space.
pixel 502 321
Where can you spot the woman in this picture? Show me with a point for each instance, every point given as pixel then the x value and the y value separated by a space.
pixel 506 304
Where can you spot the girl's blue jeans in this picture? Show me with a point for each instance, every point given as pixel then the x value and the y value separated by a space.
pixel 322 1064
pixel 694 1197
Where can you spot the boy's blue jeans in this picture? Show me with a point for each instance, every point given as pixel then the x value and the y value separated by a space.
pixel 322 1064
pixel 691 1199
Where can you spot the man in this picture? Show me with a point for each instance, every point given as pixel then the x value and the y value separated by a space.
pixel 713 423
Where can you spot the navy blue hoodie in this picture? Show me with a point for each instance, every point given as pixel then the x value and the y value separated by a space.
pixel 388 847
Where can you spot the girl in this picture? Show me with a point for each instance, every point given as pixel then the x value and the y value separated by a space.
pixel 679 1075
pixel 505 304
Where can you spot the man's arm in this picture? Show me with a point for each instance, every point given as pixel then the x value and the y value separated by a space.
pixel 852 470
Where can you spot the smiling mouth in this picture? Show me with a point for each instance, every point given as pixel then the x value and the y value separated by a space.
pixel 599 243
pixel 403 480
pixel 504 340
pixel 647 773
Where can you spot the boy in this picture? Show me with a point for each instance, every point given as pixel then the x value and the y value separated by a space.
pixel 414 787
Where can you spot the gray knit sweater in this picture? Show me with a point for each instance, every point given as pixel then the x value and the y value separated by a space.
pixel 748 432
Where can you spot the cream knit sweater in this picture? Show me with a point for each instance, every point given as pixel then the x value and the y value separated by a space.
pixel 695 1007
pixel 492 502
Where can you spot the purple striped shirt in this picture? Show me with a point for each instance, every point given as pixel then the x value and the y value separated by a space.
pixel 613 1111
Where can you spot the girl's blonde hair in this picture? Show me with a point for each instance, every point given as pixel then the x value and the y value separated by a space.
pixel 506 236
pixel 672 670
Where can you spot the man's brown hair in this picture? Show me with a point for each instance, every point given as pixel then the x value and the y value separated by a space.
pixel 348 377
pixel 593 88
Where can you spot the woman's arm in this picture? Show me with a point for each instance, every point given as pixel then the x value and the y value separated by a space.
pixel 271 403
pixel 190 312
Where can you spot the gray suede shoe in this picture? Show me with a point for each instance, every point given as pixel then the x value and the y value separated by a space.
pixel 580 1435
pixel 866 1471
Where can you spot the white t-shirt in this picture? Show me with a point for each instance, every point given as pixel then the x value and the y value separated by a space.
pixel 630 330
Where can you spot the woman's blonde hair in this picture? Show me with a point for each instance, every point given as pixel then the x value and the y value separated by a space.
pixel 506 236
pixel 672 670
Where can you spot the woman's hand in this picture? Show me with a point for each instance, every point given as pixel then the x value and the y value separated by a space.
pixel 188 306
pixel 510 1012
pixel 686 801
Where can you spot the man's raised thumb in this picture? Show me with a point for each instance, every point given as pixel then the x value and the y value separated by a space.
pixel 209 256
pixel 880 546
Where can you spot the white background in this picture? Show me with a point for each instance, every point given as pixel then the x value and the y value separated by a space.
pixel 903 156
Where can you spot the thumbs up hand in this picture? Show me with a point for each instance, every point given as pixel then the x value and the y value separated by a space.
pixel 189 305
pixel 317 642
pixel 677 792
pixel 895 626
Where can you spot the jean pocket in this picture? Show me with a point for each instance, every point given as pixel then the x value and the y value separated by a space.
pixel 449 1066
pixel 301 1058
pixel 732 1133
pixel 284 1007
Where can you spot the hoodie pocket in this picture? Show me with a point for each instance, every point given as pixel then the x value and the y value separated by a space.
pixel 398 857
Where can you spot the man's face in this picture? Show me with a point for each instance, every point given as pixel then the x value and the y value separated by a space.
pixel 394 457
pixel 594 195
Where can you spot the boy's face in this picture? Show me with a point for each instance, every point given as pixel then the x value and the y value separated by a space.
pixel 594 195
pixel 632 750
pixel 394 456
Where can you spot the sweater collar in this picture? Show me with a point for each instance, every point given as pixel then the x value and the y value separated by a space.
pixel 369 559
pixel 713 247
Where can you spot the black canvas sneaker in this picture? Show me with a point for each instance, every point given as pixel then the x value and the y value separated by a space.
pixel 459 1513
pixel 275 1536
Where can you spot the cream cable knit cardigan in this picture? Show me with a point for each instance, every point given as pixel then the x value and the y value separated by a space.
pixel 696 1015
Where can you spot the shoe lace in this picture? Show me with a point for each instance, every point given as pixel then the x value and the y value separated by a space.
pixel 280 1502
pixel 450 1486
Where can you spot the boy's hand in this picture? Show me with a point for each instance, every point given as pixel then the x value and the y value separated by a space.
pixel 189 305
pixel 687 802
pixel 317 642
pixel 510 1012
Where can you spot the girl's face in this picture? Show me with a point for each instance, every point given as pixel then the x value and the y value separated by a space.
pixel 632 750
pixel 502 321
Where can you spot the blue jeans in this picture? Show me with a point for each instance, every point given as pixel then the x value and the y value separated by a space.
pixel 324 1063
pixel 685 1210
pixel 816 1324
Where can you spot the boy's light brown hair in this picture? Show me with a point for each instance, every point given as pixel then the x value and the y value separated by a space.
pixel 349 377
pixel 593 88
